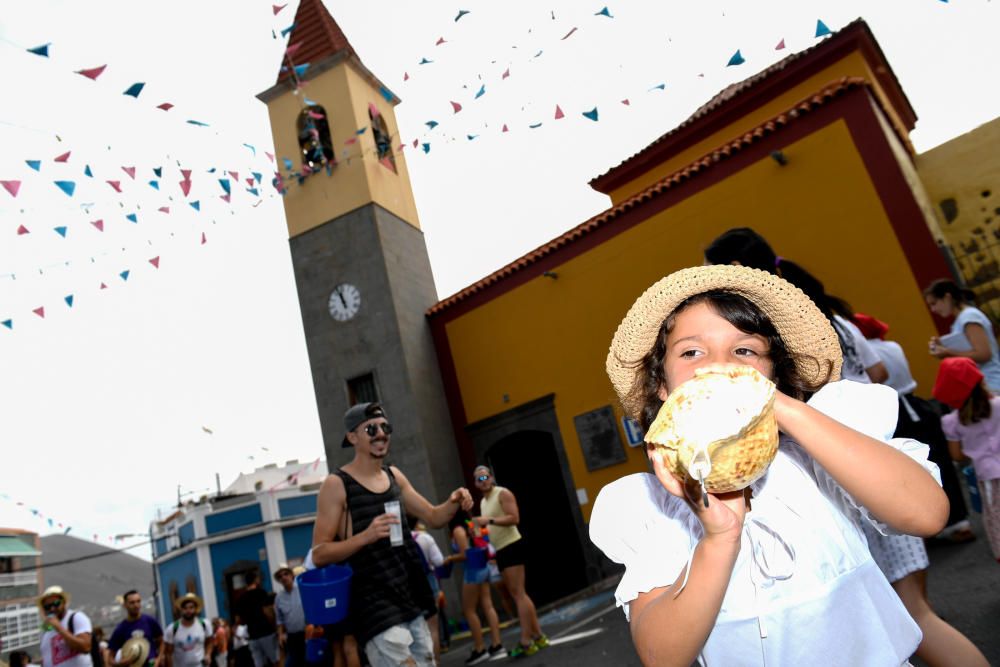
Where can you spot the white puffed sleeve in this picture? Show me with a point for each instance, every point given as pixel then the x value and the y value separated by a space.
pixel 871 409
pixel 637 523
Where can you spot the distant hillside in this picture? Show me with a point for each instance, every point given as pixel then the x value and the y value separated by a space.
pixel 96 582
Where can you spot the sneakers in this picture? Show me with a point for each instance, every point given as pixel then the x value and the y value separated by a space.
pixel 497 652
pixel 522 651
pixel 477 657
pixel 541 641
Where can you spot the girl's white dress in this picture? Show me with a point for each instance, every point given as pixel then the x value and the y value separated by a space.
pixel 804 590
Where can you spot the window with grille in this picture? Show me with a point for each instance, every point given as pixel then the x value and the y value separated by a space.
pixel 314 138
pixel 362 389
pixel 383 140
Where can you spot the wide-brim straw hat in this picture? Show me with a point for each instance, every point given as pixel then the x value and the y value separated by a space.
pixel 135 652
pixel 806 332
pixel 190 597
pixel 53 591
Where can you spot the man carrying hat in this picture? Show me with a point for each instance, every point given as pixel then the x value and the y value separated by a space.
pixel 389 591
pixel 66 640
pixel 135 624
pixel 188 640
pixel 290 618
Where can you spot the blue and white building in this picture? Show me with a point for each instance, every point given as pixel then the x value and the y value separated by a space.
pixel 264 518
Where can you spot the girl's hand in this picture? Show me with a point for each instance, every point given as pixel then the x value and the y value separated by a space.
pixel 723 518
pixel 938 350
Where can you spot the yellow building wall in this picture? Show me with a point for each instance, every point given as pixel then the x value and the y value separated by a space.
pixel 552 335
pixel 962 178
pixel 359 178
pixel 853 64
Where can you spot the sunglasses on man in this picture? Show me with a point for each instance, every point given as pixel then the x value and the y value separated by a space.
pixel 53 605
pixel 372 429
pixel 482 478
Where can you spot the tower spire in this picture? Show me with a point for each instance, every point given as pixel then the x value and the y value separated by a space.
pixel 319 34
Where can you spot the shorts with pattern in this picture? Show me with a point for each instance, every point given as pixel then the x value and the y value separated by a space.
pixel 896 555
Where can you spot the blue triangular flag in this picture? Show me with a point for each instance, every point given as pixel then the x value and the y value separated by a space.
pixel 212 170
pixel 50 523
pixel 737 59
pixel 386 93
pixel 431 124
pixel 604 12
pixel 224 182
pixel 536 125
pixel 300 70
pixel 61 231
pixel 461 13
pixel 310 102
pixel 253 191
pixel 424 61
pixel 288 163
pixel 132 217
pixel 257 176
pixel 198 123
pixel 154 184
pixel 361 131
pixel 592 114
pixel 87 171
pixel 285 31
pixel 481 92
pixel 426 147
pixel 196 205
pixel 34 164
pixel 69 300
pixel 821 29
pixel 68 528
pixel 42 50
pixel 124 274
pixel 470 137
pixel 66 186
pixel 252 149
pixel 158 171
pixel 8 323
pixel 134 89
pixel 659 86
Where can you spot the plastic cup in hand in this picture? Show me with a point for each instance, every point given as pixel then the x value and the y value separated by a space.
pixel 395 529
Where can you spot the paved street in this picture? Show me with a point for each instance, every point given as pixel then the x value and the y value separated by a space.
pixel 964 588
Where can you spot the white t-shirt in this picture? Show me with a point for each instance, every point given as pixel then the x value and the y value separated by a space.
pixel 892 356
pixel 990 368
pixel 241 636
pixel 858 354
pixel 57 653
pixel 430 548
pixel 804 588
pixel 188 642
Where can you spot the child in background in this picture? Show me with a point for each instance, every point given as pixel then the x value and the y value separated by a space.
pixel 778 573
pixel 973 431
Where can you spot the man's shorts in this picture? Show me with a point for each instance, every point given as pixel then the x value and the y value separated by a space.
pixel 512 555
pixel 264 650
pixel 401 643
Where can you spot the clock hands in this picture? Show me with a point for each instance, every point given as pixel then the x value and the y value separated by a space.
pixel 340 295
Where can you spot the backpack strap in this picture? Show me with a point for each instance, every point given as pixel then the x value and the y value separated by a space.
pixel 69 623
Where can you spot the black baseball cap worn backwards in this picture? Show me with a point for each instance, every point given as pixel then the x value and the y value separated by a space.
pixel 357 415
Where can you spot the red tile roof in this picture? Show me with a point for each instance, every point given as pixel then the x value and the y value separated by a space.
pixel 831 91
pixel 857 32
pixel 319 33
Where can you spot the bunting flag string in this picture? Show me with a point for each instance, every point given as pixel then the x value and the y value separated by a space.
pixel 55 524
pixel 293 479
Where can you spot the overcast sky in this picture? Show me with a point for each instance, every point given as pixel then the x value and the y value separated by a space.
pixel 105 403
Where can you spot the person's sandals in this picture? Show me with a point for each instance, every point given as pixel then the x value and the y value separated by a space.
pixel 957 533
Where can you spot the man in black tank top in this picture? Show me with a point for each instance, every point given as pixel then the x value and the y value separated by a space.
pixel 390 595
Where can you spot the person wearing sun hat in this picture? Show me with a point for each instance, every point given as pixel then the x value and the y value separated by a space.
pixel 66 637
pixel 289 617
pixel 188 640
pixel 686 551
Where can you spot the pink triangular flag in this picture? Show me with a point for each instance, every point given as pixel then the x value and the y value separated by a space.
pixel 456 106
pixel 22 230
pixel 250 181
pixel 103 286
pixel 626 102
pixel 40 311
pixel 290 51
pixel 780 45
pixel 62 158
pixel 203 239
pixel 186 187
pixel 270 156
pixel 386 162
pixel 349 142
pixel 155 261
pixel 277 8
pixel 505 128
pixel 166 106
pixel 99 224
pixel 130 171
pixel 164 209
pixel 186 173
pixel 439 42
pixel 11 186
pixel 416 142
pixel 93 72
pixel 559 113
pixel 117 185
pixel 506 73
pixel 235 175
pixel 406 77
pixel 373 110
pixel 225 198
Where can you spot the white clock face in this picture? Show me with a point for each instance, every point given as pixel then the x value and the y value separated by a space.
pixel 345 300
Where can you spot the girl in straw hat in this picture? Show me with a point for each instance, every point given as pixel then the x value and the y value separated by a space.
pixel 778 573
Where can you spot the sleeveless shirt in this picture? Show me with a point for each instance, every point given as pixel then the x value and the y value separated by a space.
pixel 500 536
pixel 389 586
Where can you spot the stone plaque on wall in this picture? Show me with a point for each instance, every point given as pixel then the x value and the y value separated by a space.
pixel 599 439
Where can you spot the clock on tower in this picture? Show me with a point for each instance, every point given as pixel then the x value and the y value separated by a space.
pixel 354 231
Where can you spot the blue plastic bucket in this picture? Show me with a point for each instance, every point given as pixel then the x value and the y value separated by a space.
pixel 443 571
pixel 325 593
pixel 316 649
pixel 475 559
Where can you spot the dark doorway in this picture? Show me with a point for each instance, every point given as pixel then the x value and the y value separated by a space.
pixel 527 463
pixel 236 583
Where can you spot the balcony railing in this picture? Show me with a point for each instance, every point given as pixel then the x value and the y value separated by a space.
pixel 18 578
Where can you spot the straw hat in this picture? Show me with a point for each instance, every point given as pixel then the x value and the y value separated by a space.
pixel 135 652
pixel 805 331
pixel 53 591
pixel 190 597
pixel 282 567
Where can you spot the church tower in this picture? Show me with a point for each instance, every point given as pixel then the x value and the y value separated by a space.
pixel 361 266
